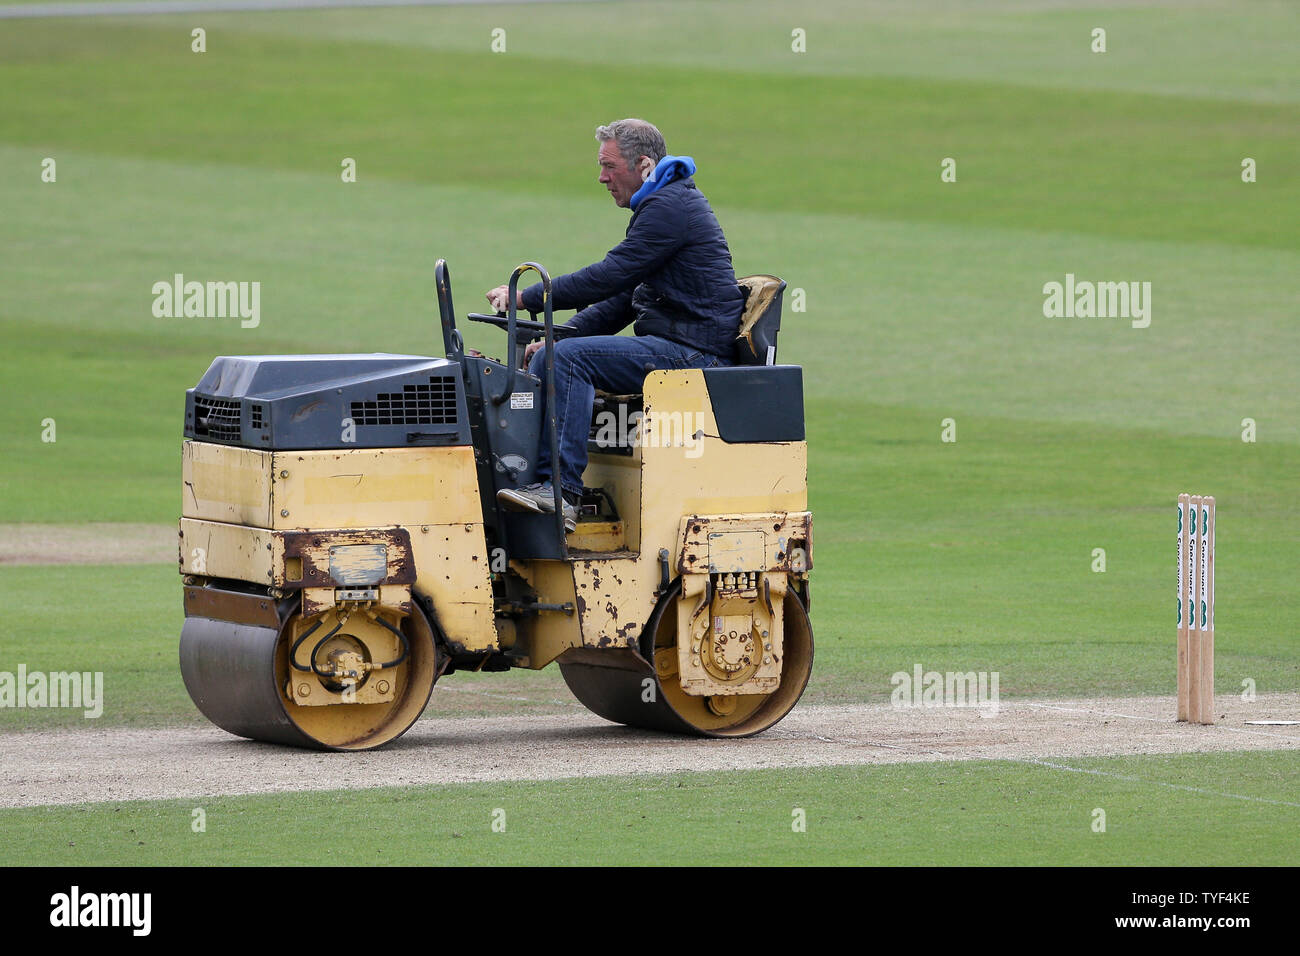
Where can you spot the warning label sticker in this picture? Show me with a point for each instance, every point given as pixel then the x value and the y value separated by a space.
pixel 521 399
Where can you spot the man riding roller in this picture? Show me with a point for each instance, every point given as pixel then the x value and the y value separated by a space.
pixel 671 276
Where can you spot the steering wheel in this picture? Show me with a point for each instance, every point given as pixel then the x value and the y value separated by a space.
pixel 533 328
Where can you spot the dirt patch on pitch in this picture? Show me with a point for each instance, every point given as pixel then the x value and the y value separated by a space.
pixel 95 766
pixel 93 543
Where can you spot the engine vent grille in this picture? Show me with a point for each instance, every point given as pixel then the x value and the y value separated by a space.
pixel 255 417
pixel 216 418
pixel 432 404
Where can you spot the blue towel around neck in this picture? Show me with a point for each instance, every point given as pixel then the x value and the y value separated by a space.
pixel 667 170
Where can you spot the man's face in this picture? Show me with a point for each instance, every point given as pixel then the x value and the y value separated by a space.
pixel 615 175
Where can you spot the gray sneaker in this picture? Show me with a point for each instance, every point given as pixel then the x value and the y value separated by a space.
pixel 540 499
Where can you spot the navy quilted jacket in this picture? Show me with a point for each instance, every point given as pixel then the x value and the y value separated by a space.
pixel 671 275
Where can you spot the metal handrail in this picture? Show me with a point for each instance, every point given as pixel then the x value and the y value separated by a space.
pixel 513 346
pixel 452 342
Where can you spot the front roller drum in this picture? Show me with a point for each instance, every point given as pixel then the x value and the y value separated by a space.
pixel 234 657
pixel 622 686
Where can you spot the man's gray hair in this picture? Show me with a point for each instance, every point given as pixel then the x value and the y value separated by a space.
pixel 634 138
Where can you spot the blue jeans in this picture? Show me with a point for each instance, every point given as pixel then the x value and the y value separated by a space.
pixel 613 363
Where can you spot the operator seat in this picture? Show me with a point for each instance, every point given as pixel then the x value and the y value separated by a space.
pixel 760 321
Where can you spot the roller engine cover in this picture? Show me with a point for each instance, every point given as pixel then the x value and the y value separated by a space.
pixel 312 402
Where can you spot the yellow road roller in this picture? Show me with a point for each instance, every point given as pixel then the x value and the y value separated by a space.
pixel 342 547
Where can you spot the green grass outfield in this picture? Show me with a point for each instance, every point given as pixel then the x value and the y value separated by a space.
pixel 924 302
pixel 988 813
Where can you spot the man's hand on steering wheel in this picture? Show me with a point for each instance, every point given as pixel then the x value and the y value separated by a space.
pixel 499 298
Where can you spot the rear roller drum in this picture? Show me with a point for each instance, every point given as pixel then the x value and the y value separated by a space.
pixel 617 690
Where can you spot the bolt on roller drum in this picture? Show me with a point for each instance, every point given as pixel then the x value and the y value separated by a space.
pixel 239 677
pixel 617 690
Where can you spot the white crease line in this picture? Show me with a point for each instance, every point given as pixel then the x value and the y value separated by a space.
pixel 1154 783
pixel 1104 773
pixel 910 750
pixel 864 742
pixel 1159 720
